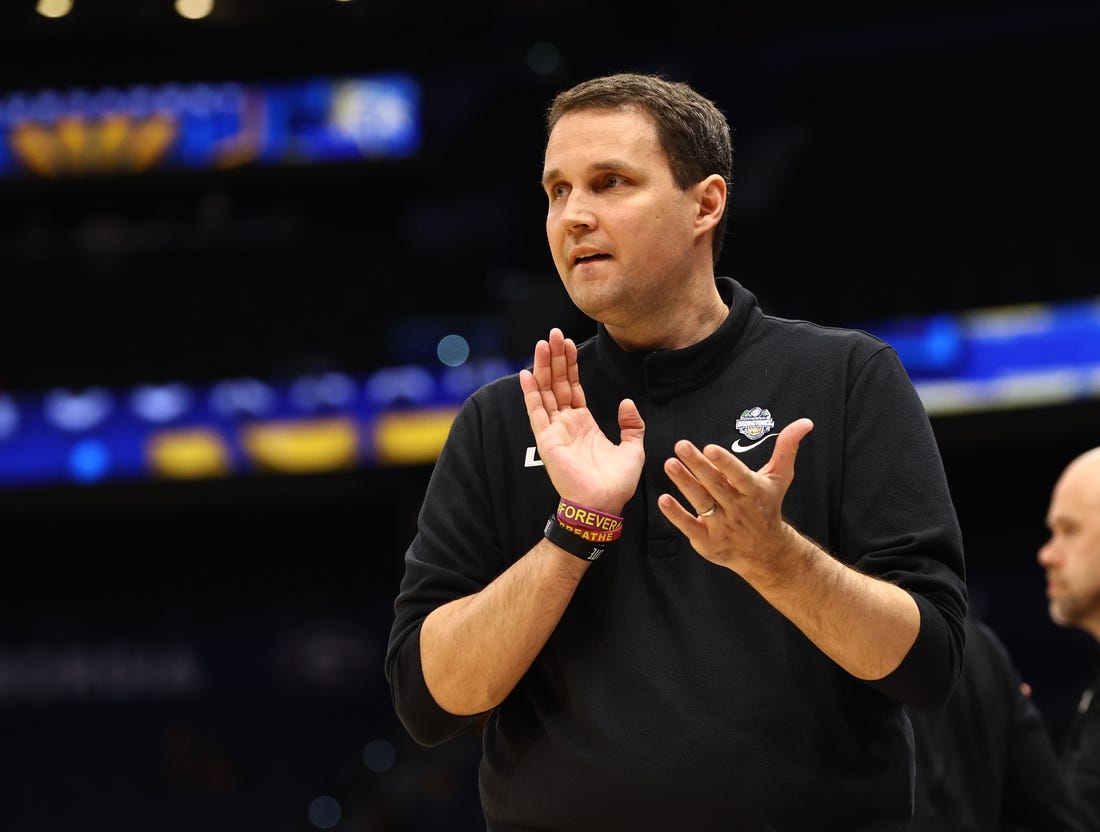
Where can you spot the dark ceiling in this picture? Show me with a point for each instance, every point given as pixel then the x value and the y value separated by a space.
pixel 887 163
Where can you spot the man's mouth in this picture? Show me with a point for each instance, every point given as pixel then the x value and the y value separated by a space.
pixel 590 258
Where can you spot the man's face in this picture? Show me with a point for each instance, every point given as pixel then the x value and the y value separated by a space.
pixel 620 231
pixel 1071 557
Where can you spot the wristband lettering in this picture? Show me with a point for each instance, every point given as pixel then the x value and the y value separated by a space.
pixel 572 543
pixel 589 534
pixel 576 517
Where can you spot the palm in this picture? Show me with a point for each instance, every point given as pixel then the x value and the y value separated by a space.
pixel 580 458
pixel 582 462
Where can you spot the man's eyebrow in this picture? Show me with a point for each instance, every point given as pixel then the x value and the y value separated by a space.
pixel 595 167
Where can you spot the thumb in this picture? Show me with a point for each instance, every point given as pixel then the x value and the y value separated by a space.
pixel 631 424
pixel 783 456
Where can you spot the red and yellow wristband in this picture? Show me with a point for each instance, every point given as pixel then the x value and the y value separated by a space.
pixel 582 532
pixel 579 519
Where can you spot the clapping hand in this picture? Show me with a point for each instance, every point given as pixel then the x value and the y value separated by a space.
pixel 584 465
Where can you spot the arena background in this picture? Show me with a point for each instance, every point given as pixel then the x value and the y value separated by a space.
pixel 206 654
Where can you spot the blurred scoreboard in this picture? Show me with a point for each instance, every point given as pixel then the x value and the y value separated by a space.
pixel 112 130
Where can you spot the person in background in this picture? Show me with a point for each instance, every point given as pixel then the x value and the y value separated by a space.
pixel 986 761
pixel 687 573
pixel 1071 558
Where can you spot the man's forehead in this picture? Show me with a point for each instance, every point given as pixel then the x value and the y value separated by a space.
pixel 595 115
pixel 600 139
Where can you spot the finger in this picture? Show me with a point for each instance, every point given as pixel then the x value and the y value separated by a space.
pixel 541 364
pixel 781 464
pixel 705 468
pixel 532 400
pixel 779 467
pixel 541 369
pixel 787 447
pixel 691 481
pixel 631 423
pixel 690 525
pixel 576 396
pixel 562 366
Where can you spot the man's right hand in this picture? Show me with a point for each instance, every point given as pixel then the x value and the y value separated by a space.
pixel 584 465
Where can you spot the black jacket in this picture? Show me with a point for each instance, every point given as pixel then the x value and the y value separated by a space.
pixel 986 762
pixel 1081 756
pixel 671 695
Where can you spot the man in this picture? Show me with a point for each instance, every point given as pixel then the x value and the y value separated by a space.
pixel 986 761
pixel 1071 558
pixel 696 638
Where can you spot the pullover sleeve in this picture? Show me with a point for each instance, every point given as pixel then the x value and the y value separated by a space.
pixel 900 523
pixel 454 553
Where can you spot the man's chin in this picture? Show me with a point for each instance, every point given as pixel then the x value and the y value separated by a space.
pixel 1061 615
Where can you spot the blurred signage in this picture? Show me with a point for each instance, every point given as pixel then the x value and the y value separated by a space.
pixel 113 130
pixel 983 360
pixel 310 424
pixel 47 674
pixel 1032 355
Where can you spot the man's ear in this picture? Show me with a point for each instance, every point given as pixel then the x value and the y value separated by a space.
pixel 710 194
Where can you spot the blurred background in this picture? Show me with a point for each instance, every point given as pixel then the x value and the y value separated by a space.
pixel 254 254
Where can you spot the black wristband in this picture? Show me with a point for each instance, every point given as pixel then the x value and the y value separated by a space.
pixel 574 544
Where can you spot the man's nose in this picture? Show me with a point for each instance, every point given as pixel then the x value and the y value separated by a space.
pixel 577 213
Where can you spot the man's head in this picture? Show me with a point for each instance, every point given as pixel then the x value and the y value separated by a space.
pixel 1071 557
pixel 633 240
pixel 691 130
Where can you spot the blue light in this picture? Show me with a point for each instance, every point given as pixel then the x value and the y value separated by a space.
pixel 453 350
pixel 89 461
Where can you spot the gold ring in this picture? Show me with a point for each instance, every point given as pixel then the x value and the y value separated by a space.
pixel 709 511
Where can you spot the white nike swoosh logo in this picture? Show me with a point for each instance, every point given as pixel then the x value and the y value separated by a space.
pixel 738 448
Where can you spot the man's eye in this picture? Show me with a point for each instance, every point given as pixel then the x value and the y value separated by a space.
pixel 558 191
pixel 613 181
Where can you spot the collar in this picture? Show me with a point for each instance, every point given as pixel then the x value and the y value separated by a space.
pixel 662 374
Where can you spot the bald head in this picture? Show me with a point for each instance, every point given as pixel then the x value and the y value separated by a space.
pixel 1086 468
pixel 1071 557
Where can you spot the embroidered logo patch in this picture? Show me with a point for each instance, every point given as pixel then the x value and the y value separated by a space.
pixel 755 425
pixel 755 422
